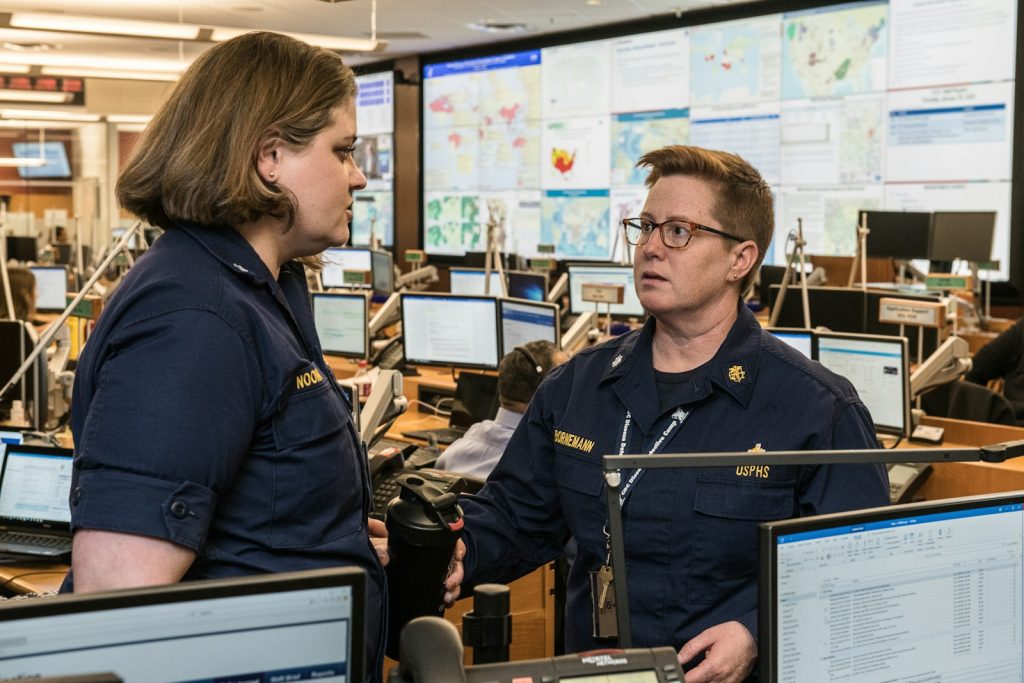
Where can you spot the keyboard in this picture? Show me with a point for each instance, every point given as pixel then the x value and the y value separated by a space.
pixel 415 456
pixel 443 435
pixel 15 542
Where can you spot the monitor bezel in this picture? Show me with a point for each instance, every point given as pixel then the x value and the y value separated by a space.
pixel 67 288
pixel 881 429
pixel 314 296
pixel 768 533
pixel 527 273
pixel 445 364
pixel 210 589
pixel 345 285
pixel 551 306
pixel 601 264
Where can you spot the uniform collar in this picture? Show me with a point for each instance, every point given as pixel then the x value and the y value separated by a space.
pixel 231 249
pixel 732 370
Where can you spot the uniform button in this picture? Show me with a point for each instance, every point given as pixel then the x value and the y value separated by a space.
pixel 179 509
pixel 76 495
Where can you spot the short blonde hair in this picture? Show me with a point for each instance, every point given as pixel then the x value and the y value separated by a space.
pixel 196 161
pixel 744 205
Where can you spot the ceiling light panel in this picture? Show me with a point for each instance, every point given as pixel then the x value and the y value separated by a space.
pixel 85 24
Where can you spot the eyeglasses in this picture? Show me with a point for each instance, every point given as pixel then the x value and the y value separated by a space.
pixel 675 233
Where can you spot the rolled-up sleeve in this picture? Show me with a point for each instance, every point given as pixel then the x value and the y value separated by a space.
pixel 175 404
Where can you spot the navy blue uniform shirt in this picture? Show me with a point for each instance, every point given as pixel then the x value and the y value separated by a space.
pixel 690 535
pixel 204 414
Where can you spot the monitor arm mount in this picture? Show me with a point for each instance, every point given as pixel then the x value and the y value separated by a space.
pixel 949 362
pixel 385 402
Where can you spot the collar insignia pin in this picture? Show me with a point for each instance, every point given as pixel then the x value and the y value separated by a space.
pixel 616 361
pixel 756 449
pixel 736 374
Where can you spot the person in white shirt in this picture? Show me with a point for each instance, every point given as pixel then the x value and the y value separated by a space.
pixel 519 374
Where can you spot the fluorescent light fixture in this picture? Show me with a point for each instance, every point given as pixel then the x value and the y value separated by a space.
pixel 330 42
pixel 40 96
pixel 128 118
pixel 15 68
pixel 8 162
pixel 83 61
pixel 48 115
pixel 71 23
pixel 92 72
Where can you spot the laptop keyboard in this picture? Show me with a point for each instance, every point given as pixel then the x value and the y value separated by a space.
pixel 444 435
pixel 15 538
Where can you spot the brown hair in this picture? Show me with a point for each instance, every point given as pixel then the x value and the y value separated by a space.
pixel 518 378
pixel 23 292
pixel 196 161
pixel 744 200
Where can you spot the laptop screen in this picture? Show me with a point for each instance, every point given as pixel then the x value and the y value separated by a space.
pixel 276 627
pixel 35 486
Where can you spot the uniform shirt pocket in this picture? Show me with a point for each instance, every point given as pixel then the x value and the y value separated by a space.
pixel 727 514
pixel 580 480
pixel 317 486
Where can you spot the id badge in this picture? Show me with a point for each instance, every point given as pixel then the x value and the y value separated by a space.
pixel 602 598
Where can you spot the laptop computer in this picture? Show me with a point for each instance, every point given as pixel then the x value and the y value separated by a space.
pixel 476 400
pixel 35 517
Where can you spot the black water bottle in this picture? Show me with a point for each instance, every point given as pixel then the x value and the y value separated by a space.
pixel 423 526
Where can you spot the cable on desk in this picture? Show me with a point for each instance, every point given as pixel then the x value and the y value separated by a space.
pixel 432 408
pixel 14 578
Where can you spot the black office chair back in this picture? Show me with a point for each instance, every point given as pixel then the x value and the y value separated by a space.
pixel 968 401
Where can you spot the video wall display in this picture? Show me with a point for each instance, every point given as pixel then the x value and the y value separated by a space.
pixel 373 209
pixel 901 105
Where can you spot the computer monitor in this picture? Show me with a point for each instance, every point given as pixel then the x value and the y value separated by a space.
pixel 580 273
pixel 51 288
pixel 471 281
pixel 801 340
pixel 342 323
pixel 877 368
pixel 291 626
pixel 15 346
pixel 962 235
pixel 53 152
pixel 337 260
pixel 442 329
pixel 897 234
pixel 383 272
pixel 526 321
pixel 525 284
pixel 852 309
pixel 922 592
pixel 62 254
pixel 20 248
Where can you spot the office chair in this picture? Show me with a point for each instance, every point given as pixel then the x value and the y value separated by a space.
pixel 968 401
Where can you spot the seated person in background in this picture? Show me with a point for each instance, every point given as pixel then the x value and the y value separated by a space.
pixel 519 374
pixel 1003 357
pixel 23 295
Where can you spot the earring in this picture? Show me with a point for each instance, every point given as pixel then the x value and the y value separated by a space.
pixel 271 175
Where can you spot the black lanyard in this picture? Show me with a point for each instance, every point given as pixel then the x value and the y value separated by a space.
pixel 678 418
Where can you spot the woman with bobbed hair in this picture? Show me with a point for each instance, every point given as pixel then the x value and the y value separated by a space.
pixel 210 437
